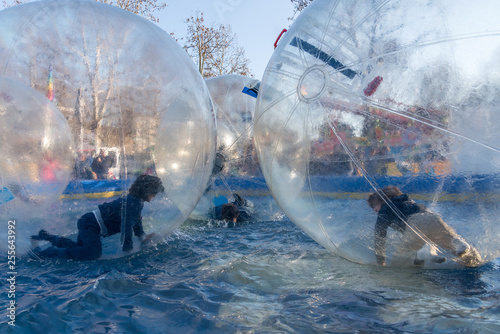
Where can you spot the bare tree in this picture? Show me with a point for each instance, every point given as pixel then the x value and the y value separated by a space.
pixel 227 57
pixel 90 81
pixel 12 3
pixel 298 6
pixel 214 50
pixel 144 8
pixel 95 99
pixel 199 40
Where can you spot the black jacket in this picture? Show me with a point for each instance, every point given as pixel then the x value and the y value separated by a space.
pixel 131 208
pixel 390 216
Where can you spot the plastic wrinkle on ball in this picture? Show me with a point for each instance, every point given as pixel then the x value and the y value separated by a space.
pixel 360 95
pixel 236 169
pixel 134 101
pixel 36 158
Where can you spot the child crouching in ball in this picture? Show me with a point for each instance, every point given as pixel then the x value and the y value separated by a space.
pixel 397 211
pixel 104 222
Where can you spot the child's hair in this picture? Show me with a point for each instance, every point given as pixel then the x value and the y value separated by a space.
pixel 389 192
pixel 145 186
pixel 229 212
pixel 392 191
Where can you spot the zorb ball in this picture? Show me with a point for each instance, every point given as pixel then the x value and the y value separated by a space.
pixel 36 156
pixel 360 95
pixel 235 117
pixel 236 170
pixel 134 102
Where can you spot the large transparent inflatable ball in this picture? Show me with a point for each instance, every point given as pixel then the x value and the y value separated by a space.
pixel 36 161
pixel 398 99
pixel 236 170
pixel 134 101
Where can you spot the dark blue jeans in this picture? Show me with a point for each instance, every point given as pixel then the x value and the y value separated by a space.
pixel 88 245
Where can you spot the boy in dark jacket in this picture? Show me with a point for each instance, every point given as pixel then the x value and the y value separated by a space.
pixel 418 226
pixel 107 220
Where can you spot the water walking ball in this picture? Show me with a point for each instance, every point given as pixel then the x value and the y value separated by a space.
pixel 235 117
pixel 133 99
pixel 36 154
pixel 236 170
pixel 361 95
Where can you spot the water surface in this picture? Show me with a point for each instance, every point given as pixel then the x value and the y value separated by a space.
pixel 260 277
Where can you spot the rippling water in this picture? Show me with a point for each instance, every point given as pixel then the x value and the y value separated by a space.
pixel 261 277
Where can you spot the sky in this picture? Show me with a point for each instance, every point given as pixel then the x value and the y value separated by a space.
pixel 256 23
